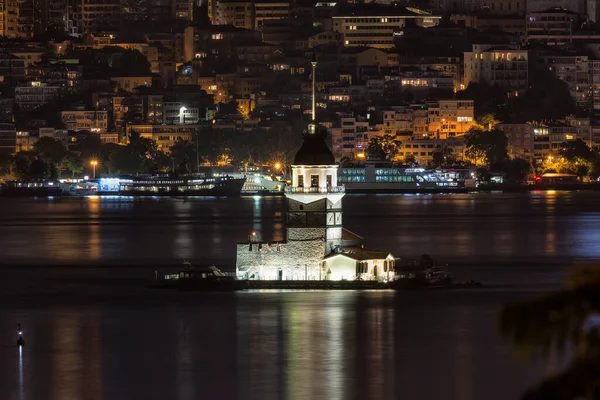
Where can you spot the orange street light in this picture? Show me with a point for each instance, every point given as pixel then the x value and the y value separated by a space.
pixel 93 163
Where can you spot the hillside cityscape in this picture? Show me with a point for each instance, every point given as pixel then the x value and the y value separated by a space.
pixel 146 86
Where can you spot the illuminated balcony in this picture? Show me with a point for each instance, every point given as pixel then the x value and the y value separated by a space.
pixel 319 190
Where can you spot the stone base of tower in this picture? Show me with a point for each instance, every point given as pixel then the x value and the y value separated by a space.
pixel 291 260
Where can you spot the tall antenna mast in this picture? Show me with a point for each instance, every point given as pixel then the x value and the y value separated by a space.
pixel 312 128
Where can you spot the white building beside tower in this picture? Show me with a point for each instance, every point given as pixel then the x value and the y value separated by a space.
pixel 317 246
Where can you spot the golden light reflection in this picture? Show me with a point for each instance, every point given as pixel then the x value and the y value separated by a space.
pixel 68 358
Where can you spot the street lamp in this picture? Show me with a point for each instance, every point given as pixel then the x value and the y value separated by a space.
pixel 277 166
pixel 93 163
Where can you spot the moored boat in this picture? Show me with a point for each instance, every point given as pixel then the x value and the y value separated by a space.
pixel 167 185
pixel 30 189
pixel 209 279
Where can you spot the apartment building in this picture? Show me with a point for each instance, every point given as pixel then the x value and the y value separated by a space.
pixel 375 25
pixel 571 69
pixel 594 81
pixel 176 113
pixel 237 13
pixel 450 118
pixel 505 66
pixel 520 139
pixel 93 16
pixel 35 94
pixel 420 150
pixel 269 10
pixel 12 68
pixel 93 121
pixel 553 26
pixel 165 136
pixel 350 137
pixel 18 18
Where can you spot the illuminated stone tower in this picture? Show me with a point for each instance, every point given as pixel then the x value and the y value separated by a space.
pixel 314 216
pixel 314 208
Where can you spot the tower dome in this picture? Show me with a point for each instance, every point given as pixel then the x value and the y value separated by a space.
pixel 314 150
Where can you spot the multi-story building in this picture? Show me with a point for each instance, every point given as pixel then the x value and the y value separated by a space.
pixel 176 113
pixel 61 135
pixel 421 150
pixel 577 6
pixel 129 83
pixel 168 11
pixel 582 128
pixel 51 15
pixel 452 66
pixel 126 110
pixel 94 16
pixel 269 10
pixel 326 38
pixel 571 69
pixel 505 66
pixel 594 80
pixel 8 138
pixel 237 13
pixel 93 121
pixel 24 141
pixel 34 95
pixel 374 25
pixel 350 137
pixel 12 68
pixel 553 26
pixel 18 19
pixel 501 7
pixel 154 109
pixel 520 139
pixel 165 136
pixel 511 24
pixel 449 118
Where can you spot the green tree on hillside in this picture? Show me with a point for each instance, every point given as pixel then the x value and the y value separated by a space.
pixel 487 146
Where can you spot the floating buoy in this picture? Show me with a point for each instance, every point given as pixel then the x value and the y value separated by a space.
pixel 20 340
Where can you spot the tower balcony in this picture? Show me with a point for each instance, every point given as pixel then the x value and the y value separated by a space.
pixel 319 190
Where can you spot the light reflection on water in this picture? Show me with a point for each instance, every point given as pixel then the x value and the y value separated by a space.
pixel 295 345
pixel 457 228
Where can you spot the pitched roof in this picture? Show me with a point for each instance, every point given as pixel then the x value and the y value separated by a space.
pixel 361 254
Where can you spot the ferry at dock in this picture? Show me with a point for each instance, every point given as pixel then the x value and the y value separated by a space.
pixel 262 184
pixel 383 178
pixel 158 185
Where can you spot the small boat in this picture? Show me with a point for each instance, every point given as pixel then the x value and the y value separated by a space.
pixel 422 273
pixel 210 279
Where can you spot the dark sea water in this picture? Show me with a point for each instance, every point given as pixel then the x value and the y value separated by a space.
pixel 74 274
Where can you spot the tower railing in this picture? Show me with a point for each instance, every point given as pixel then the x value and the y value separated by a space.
pixel 308 189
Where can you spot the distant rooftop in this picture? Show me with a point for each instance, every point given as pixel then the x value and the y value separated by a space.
pixel 554 10
pixel 373 9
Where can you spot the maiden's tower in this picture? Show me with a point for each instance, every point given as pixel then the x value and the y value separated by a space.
pixel 317 247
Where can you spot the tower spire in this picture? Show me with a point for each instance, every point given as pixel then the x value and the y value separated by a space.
pixel 312 127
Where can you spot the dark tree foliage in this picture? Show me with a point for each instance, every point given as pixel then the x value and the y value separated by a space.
pixel 130 63
pixel 50 150
pixel 516 170
pixel 576 149
pixel 383 147
pixel 489 146
pixel 487 99
pixel 547 99
pixel 561 323
pixel 5 162
pixel 183 154
pixel 27 166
